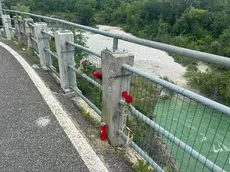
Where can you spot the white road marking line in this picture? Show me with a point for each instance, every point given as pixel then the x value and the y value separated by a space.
pixel 92 161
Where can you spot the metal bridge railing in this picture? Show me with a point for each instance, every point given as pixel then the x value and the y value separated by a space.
pixel 172 128
pixel 193 130
pixel 211 58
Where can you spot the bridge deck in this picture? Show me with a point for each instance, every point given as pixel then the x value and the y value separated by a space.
pixel 31 138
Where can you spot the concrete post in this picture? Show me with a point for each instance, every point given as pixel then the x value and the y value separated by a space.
pixel 1 12
pixel 28 32
pixel 17 28
pixel 21 31
pixel 112 80
pixel 7 26
pixel 43 42
pixel 65 54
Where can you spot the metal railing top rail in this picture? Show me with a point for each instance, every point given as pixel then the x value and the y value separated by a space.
pixel 211 58
pixel 203 100
pixel 84 48
pixel 196 155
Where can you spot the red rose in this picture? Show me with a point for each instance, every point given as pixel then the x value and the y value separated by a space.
pixel 129 99
pixel 97 75
pixel 124 94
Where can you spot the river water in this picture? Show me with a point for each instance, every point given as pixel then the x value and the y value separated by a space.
pixel 150 60
pixel 202 128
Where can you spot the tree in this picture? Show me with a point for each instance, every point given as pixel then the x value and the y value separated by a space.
pixel 193 22
pixel 224 39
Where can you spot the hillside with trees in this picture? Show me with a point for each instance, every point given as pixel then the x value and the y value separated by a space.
pixel 202 25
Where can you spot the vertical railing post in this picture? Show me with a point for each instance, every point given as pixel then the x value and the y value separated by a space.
pixel 7 26
pixel 28 32
pixel 43 42
pixel 1 13
pixel 115 44
pixel 11 33
pixel 65 54
pixel 112 88
pixel 21 30
pixel 17 28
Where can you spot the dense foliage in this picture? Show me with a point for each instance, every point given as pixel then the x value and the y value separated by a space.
pixel 197 24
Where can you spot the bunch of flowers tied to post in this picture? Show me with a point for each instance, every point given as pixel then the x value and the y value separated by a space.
pixel 97 75
pixel 126 113
pixel 128 99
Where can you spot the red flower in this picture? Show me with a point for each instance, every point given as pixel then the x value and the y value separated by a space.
pixel 129 99
pixel 124 94
pixel 97 75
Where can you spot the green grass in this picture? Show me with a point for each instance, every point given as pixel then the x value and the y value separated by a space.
pixel 87 116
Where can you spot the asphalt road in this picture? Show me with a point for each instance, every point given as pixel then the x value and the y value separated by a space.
pixel 30 137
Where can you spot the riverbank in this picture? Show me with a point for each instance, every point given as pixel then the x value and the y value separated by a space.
pixel 147 59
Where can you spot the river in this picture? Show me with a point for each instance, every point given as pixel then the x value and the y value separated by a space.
pixel 202 128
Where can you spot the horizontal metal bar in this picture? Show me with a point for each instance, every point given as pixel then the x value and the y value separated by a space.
pixel 83 48
pixel 196 155
pixel 3 35
pixel 49 34
pixel 15 38
pixel 53 69
pixel 76 90
pixel 51 53
pixel 65 22
pixel 33 39
pixel 31 24
pixel 196 97
pixel 12 28
pixel 86 77
pixel 36 53
pixel 141 153
pixel 15 35
pixel 211 58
